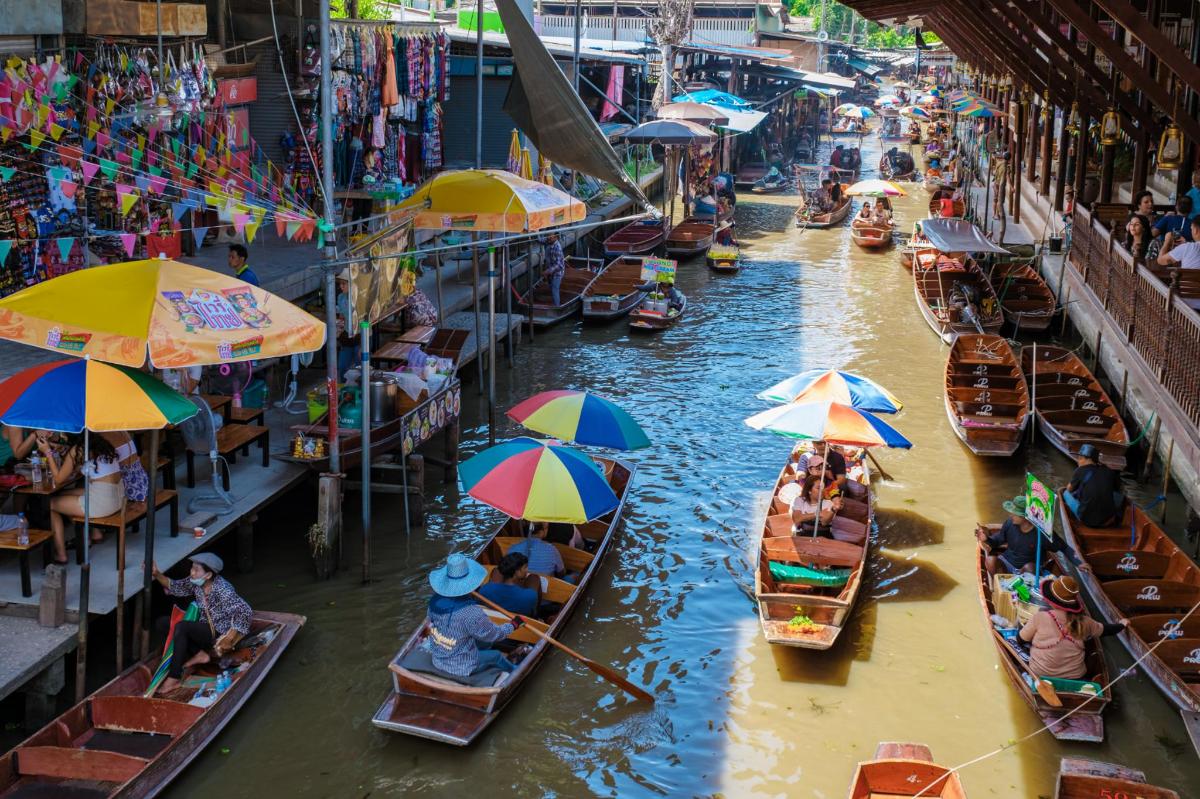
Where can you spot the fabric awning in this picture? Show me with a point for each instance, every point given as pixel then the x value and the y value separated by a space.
pixel 957 235
pixel 742 121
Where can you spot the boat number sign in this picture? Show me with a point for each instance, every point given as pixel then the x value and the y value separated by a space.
pixel 659 270
pixel 1039 504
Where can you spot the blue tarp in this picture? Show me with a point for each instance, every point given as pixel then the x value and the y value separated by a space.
pixel 715 97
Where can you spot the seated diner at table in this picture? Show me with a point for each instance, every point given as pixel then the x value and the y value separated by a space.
pixel 20 441
pixel 106 491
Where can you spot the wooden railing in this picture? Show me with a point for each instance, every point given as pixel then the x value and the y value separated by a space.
pixel 1154 319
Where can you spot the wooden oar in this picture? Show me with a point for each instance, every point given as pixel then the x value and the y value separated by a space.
pixel 606 672
pixel 878 467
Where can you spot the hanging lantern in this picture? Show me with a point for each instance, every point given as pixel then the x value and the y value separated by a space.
pixel 1170 148
pixel 1110 127
pixel 1073 120
pixel 1046 113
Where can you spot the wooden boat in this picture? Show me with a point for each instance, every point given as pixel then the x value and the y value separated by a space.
pixel 690 237
pixel 958 206
pixel 771 184
pixel 806 219
pixel 933 181
pixel 1086 722
pixel 811 610
pixel 869 236
pixel 646 320
pixel 986 398
pixel 724 258
pixel 637 238
pixel 538 303
pixel 842 128
pixel 885 170
pixel 1138 572
pixel 902 770
pixel 945 292
pixel 751 172
pixel 1072 407
pixel 434 707
pixel 615 291
pixel 1090 779
pixel 117 743
pixel 1026 300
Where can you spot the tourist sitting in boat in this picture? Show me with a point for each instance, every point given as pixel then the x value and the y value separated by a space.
pixel 835 157
pixel 224 616
pixel 864 213
pixel 1057 635
pixel 554 266
pixel 882 217
pixel 822 197
pixel 805 513
pixel 1094 493
pixel 834 461
pixel 457 625
pixel 543 557
pixel 512 587
pixel 1012 548
pixel 835 193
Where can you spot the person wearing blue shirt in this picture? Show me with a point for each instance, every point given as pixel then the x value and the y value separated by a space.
pixel 511 591
pixel 1193 194
pixel 238 255
pixel 1177 222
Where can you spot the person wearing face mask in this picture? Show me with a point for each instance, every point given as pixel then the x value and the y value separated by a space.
pixel 224 616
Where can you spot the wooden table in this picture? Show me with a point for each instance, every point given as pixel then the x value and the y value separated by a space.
pixel 218 403
pixel 37 538
pixel 244 415
pixel 419 334
pixel 394 351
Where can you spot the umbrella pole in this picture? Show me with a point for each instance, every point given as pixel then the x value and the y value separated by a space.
pixel 506 287
pixel 437 275
pixel 148 558
pixel 475 305
pixel 491 389
pixel 85 589
pixel 821 495
pixel 365 327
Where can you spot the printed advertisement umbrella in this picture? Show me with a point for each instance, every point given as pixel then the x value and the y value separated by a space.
pixel 828 385
pixel 876 188
pixel 829 421
pixel 491 201
pixel 182 315
pixel 580 418
pixel 535 480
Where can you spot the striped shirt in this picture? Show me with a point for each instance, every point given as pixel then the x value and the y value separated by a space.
pixel 455 624
pixel 544 557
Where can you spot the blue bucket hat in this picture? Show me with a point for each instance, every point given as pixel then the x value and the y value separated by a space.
pixel 459 577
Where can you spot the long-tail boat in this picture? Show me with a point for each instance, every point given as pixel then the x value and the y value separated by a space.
pixel 1090 779
pixel 1027 302
pixel 690 237
pixel 807 217
pixel 1138 572
pixel 538 302
pixel 120 744
pixel 955 297
pixel 615 292
pixel 1086 722
pixel 1072 407
pixel 806 586
pixel 870 236
pixel 987 400
pixel 641 237
pixel 902 770
pixel 430 706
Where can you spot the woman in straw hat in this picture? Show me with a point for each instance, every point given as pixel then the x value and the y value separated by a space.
pixel 1058 635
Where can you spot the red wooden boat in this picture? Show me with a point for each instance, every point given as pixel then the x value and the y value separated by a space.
pixel 637 238
pixel 1091 779
pixel 903 770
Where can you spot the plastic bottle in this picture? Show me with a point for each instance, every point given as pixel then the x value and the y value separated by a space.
pixel 36 475
pixel 22 530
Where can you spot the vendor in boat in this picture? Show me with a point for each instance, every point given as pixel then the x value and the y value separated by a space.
pixel 1094 493
pixel 224 616
pixel 810 510
pixel 1057 635
pixel 822 197
pixel 1012 547
pixel 835 158
pixel 457 625
pixel 542 556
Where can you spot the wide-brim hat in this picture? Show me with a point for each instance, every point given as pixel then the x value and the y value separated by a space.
pixel 459 577
pixel 1063 594
pixel 1016 506
pixel 209 561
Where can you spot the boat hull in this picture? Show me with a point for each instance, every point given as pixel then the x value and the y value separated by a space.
pixel 1084 779
pixel 636 238
pixel 985 395
pixel 820 221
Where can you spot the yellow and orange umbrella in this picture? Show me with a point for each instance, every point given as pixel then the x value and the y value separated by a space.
pixel 491 200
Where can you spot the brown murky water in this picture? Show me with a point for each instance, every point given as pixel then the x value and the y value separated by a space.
pixel 672 606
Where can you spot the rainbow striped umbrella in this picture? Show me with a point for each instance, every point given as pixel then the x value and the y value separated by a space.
pixel 828 385
pixel 580 418
pixel 538 481
pixel 829 421
pixel 164 665
pixel 75 394
pixel 914 112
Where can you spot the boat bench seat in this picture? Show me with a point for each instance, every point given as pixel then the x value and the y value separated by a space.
pixel 69 763
pixel 575 560
pixel 421 662
pixel 139 714
pixel 1086 429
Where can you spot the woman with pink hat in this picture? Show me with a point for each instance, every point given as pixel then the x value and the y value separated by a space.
pixel 1057 635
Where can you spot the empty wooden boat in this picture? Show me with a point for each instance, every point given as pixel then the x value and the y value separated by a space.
pixel 869 236
pixel 808 216
pixel 690 237
pixel 1026 300
pixel 1072 407
pixel 637 238
pixel 1090 779
pixel 615 291
pixel 806 586
pixel 538 302
pixel 117 743
pixel 955 297
pixel 987 400
pixel 902 770
pixel 653 316
pixel 430 706
pixel 1138 572
pixel 1086 723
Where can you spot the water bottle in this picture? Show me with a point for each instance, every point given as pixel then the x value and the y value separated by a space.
pixel 36 475
pixel 22 530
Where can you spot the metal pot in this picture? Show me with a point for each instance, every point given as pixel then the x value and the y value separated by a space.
pixel 383 401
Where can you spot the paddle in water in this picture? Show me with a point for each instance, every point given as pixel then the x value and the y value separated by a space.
pixel 606 672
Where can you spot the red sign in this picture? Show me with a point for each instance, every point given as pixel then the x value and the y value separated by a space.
pixel 235 91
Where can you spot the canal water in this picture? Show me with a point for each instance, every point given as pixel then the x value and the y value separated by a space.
pixel 672 606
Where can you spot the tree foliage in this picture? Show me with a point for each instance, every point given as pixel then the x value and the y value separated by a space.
pixel 841 20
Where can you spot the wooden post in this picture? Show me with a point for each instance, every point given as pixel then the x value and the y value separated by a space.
pixel 1030 154
pixel 1141 166
pixel 1149 464
pixel 1047 150
pixel 1096 349
pixel 1064 145
pixel 1081 154
pixel 1018 159
pixel 1166 481
pixel 1108 156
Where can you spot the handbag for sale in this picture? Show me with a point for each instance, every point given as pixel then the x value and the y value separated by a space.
pixel 310 56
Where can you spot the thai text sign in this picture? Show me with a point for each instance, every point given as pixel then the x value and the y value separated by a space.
pixel 660 270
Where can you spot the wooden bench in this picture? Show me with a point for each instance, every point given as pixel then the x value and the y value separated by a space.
pixel 130 515
pixel 244 415
pixel 37 538
pixel 231 438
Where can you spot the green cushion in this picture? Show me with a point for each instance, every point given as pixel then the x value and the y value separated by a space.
pixel 1075 686
pixel 807 575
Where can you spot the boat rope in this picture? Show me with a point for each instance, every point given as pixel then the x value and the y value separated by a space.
pixel 1145 427
pixel 1169 635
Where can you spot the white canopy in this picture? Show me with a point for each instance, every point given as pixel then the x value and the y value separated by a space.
pixel 957 235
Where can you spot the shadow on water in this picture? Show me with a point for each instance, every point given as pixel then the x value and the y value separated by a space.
pixel 903 528
pixel 898 577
